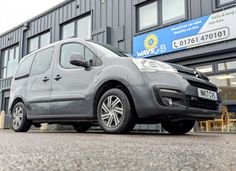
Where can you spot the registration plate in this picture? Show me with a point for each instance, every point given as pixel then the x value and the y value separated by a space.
pixel 207 94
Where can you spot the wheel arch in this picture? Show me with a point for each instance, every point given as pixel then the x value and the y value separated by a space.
pixel 15 101
pixel 107 85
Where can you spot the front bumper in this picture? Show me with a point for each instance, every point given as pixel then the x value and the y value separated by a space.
pixel 168 95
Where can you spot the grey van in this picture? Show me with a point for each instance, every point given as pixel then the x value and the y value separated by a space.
pixel 83 83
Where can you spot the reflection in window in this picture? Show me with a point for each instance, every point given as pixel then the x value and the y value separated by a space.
pixel 148 15
pixel 33 44
pixel 39 41
pixel 68 30
pixel 227 65
pixel 227 84
pixel 79 28
pixel 173 10
pixel 67 50
pixel 89 56
pixel 42 61
pixel 223 2
pixel 24 67
pixel 84 27
pixel 10 60
pixel 45 39
pixel 205 69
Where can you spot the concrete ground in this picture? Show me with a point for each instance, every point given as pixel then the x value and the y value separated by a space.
pixel 98 151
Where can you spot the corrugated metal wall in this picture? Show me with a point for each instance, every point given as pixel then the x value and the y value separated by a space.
pixel 113 21
pixel 11 38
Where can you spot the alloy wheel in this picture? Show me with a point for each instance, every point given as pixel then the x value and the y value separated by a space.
pixel 17 117
pixel 112 111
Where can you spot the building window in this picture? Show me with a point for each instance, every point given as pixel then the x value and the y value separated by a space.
pixel 205 69
pixel 160 12
pixel 39 41
pixel 84 27
pixel 10 60
pixel 224 2
pixel 79 28
pixel 148 15
pixel 227 65
pixel 173 10
pixel 68 30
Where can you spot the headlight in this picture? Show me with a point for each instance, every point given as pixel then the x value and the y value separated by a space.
pixel 148 65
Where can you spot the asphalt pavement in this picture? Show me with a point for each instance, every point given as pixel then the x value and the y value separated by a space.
pixel 97 151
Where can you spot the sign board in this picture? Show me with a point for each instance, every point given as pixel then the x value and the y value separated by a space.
pixel 210 29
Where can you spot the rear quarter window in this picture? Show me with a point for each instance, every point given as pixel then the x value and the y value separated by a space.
pixel 24 67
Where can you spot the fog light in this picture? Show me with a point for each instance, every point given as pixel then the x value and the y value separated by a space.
pixel 170 102
pixel 167 101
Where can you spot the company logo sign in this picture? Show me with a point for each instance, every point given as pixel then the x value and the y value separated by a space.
pixel 152 47
pixel 151 41
pixel 198 32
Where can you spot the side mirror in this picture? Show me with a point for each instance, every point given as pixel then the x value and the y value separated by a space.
pixel 77 60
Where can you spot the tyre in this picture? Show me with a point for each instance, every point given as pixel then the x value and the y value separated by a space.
pixel 178 127
pixel 20 123
pixel 82 127
pixel 114 112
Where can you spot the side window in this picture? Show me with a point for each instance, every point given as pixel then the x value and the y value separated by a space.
pixel 66 52
pixel 89 56
pixel 24 67
pixel 42 62
pixel 70 48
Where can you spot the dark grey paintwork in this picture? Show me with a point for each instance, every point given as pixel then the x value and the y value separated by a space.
pixel 71 98
pixel 113 22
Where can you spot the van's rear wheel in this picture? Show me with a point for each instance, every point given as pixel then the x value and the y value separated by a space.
pixel 114 112
pixel 82 127
pixel 20 123
pixel 178 127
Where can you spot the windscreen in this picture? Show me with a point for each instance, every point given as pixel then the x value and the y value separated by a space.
pixel 109 51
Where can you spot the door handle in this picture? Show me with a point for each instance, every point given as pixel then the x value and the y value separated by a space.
pixel 57 78
pixel 45 79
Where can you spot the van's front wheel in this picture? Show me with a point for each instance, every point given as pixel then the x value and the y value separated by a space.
pixel 114 112
pixel 20 123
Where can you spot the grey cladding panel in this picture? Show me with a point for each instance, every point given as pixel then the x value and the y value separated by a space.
pixel 195 8
pixel 122 12
pixel 101 37
pixel 115 14
pixel 109 7
pixel 5 84
pixel 103 14
pixel 206 6
pixel 10 38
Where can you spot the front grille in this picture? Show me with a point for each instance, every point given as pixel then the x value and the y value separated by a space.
pixel 202 85
pixel 204 104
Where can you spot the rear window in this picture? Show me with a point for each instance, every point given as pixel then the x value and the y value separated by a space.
pixel 24 68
